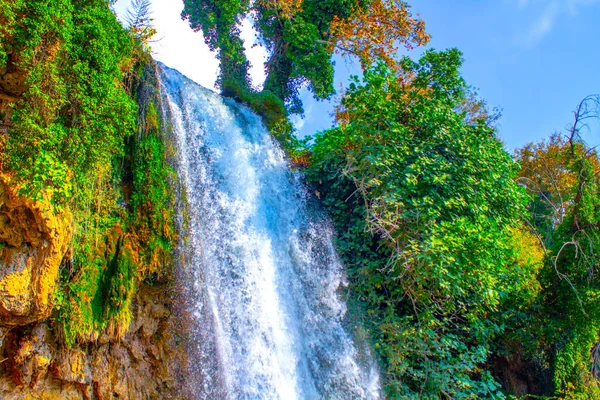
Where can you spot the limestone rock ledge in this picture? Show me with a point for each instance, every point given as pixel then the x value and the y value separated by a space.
pixel 34 238
pixel 145 364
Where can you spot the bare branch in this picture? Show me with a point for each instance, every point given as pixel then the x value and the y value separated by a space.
pixel 564 276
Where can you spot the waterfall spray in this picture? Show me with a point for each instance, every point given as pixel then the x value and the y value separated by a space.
pixel 267 316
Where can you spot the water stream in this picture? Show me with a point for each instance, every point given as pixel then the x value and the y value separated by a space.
pixel 268 319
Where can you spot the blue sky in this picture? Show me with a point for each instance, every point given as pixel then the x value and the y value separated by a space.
pixel 535 59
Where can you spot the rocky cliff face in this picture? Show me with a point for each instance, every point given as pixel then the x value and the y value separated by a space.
pixel 34 238
pixel 12 86
pixel 145 364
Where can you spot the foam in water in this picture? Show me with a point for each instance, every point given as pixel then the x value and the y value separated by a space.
pixel 268 319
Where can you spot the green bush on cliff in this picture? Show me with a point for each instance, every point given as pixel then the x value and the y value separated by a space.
pixel 78 138
pixel 133 239
pixel 273 112
pixel 152 197
pixel 75 112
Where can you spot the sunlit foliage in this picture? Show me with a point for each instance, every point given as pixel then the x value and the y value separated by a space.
pixel 77 138
pixel 301 36
pixel 426 209
pixel 374 32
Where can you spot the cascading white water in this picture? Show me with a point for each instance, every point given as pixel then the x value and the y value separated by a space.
pixel 268 320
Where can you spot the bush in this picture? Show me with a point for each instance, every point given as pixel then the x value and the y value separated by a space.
pixel 425 205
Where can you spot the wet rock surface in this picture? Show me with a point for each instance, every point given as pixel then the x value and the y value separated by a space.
pixel 147 363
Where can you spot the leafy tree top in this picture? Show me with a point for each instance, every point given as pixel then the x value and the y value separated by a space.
pixel 434 188
pixel 302 35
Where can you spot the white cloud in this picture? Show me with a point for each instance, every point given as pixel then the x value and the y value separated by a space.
pixel 542 26
pixel 298 121
pixel 551 12
pixel 257 54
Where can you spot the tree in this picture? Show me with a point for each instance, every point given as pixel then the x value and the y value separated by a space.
pixel 139 20
pixel 570 277
pixel 426 208
pixel 375 32
pixel 219 22
pixel 546 174
pixel 301 36
pixel 562 176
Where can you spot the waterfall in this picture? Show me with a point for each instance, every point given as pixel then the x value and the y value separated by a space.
pixel 268 320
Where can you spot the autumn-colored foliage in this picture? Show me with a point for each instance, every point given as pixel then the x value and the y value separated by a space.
pixel 376 31
pixel 301 37
pixel 548 174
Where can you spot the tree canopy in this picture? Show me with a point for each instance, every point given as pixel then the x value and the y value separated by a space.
pixel 301 36
pixel 426 227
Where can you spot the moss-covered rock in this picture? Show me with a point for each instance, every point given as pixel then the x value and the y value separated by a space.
pixel 146 363
pixel 34 237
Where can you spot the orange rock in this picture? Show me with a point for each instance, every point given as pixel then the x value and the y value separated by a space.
pixel 34 237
